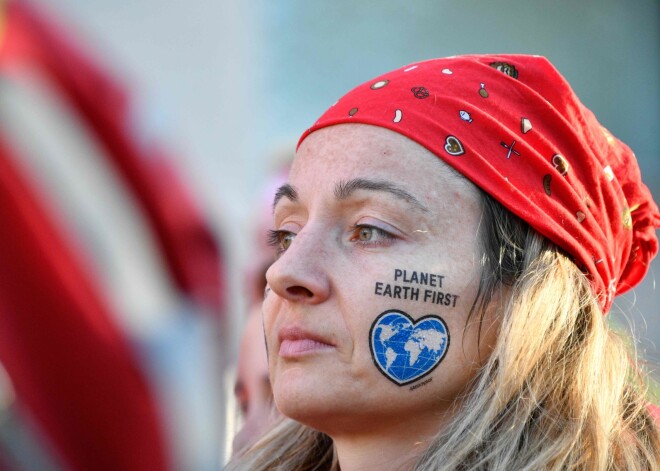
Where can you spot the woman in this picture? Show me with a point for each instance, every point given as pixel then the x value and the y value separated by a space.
pixel 450 238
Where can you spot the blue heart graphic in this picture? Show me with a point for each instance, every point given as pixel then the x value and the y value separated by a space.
pixel 405 350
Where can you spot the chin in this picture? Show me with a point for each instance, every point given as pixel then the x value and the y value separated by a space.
pixel 299 402
pixel 311 408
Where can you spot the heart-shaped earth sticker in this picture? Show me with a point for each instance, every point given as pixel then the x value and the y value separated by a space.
pixel 453 146
pixel 405 350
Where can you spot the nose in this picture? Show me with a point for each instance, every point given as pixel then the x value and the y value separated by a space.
pixel 300 273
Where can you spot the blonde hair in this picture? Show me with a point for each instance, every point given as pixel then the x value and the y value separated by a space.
pixel 559 390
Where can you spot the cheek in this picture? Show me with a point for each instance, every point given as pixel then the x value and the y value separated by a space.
pixel 422 291
pixel 472 346
pixel 413 323
pixel 269 313
pixel 480 336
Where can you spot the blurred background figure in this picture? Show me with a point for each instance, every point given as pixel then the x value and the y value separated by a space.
pixel 252 389
pixel 262 253
pixel 111 282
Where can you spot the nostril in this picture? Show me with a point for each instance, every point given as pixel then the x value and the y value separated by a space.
pixel 299 292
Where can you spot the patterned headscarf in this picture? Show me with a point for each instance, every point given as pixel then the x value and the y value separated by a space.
pixel 513 126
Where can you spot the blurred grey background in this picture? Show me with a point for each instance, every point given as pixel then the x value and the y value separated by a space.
pixel 230 83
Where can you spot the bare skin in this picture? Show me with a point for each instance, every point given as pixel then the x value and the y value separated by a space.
pixel 362 202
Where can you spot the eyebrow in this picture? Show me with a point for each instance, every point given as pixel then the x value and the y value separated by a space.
pixel 285 191
pixel 345 189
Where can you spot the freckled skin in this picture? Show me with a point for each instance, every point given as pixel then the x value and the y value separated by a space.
pixel 324 282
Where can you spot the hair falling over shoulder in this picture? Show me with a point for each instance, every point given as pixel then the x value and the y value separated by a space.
pixel 559 391
pixel 288 445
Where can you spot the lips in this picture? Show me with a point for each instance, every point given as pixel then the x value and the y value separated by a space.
pixel 296 342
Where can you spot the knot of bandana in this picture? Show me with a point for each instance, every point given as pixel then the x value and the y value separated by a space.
pixel 513 126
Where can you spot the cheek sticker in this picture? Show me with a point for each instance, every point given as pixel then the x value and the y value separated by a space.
pixel 405 350
pixel 429 288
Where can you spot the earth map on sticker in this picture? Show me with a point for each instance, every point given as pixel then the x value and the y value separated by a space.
pixel 405 350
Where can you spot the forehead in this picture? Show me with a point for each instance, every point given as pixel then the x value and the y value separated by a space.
pixel 343 152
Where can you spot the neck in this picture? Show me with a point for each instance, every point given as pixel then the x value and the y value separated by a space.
pixel 391 447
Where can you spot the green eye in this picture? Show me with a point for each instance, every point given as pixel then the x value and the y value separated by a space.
pixel 286 240
pixel 366 234
pixel 370 235
pixel 280 240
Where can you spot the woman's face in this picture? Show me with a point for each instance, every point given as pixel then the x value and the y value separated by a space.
pixel 379 265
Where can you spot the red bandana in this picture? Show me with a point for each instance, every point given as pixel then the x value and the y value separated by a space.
pixel 513 126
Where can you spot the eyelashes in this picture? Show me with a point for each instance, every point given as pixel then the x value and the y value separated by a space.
pixel 273 237
pixel 280 240
pixel 364 235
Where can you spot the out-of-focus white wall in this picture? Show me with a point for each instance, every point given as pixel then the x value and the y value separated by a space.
pixel 227 82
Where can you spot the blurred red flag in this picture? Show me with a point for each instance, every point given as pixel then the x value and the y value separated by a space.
pixel 69 361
